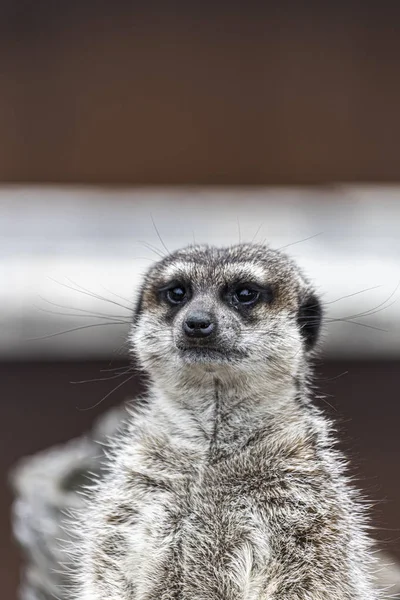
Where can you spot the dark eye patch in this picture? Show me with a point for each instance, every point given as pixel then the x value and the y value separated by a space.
pixel 244 295
pixel 175 293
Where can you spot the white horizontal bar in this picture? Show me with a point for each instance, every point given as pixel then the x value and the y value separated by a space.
pixel 52 238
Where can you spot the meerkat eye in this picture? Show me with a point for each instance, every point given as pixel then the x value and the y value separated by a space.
pixel 176 295
pixel 246 295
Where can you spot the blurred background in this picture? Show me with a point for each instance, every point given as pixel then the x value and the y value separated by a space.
pixel 130 128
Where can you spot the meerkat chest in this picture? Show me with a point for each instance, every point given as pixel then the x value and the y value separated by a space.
pixel 195 531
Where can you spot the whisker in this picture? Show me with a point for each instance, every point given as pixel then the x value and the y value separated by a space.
pixel 300 241
pixel 239 231
pixel 123 348
pixel 45 337
pixel 98 295
pixel 152 248
pixel 344 320
pixel 90 294
pixel 118 296
pixel 78 316
pixel 375 287
pixel 158 233
pixel 368 312
pixel 113 369
pixel 371 311
pixel 256 233
pixel 125 372
pixel 326 402
pixel 331 378
pixel 358 323
pixel 81 310
pixel 107 395
pixel 381 306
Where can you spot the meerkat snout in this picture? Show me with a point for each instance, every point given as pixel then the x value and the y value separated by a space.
pixel 199 324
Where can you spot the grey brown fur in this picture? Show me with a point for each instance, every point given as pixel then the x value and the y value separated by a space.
pixel 226 484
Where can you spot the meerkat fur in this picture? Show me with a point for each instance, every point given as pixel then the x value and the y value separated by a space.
pixel 226 484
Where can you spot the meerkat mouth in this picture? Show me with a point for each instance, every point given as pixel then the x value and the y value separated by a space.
pixel 208 354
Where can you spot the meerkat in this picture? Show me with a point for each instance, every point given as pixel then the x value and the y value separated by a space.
pixel 226 484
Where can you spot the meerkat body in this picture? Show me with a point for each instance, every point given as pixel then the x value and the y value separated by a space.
pixel 226 485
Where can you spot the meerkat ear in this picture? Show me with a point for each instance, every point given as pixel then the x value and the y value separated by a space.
pixel 309 319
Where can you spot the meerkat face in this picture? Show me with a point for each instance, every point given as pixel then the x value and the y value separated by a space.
pixel 243 306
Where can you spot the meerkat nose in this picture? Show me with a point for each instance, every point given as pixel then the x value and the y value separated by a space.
pixel 198 324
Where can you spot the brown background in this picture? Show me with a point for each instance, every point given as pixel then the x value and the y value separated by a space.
pixel 201 93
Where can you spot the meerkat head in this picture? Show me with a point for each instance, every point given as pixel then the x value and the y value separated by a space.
pixel 246 308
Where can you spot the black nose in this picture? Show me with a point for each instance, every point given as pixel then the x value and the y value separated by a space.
pixel 198 324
